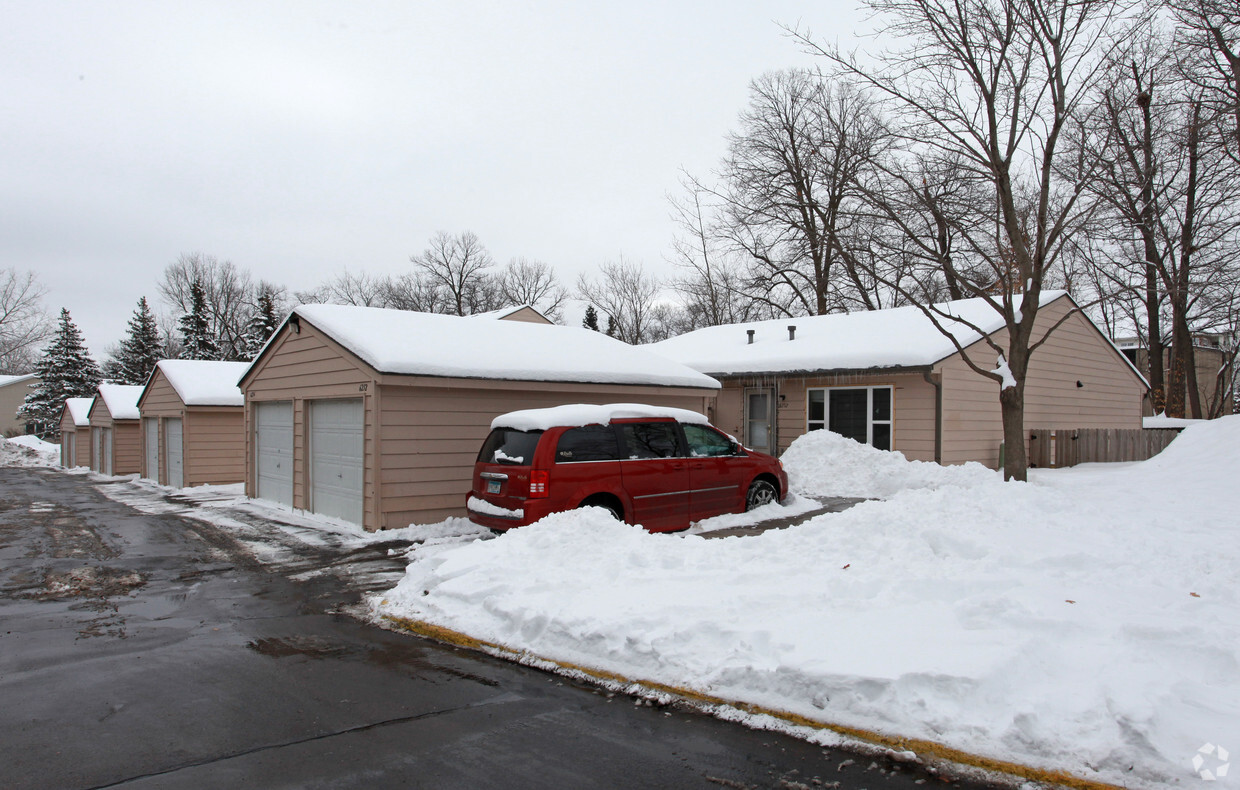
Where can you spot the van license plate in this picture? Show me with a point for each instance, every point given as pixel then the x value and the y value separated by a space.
pixel 493 486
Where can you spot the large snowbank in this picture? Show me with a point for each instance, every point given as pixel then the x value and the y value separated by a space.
pixel 28 451
pixel 1089 621
pixel 822 463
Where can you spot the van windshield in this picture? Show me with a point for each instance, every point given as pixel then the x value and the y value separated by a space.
pixel 508 446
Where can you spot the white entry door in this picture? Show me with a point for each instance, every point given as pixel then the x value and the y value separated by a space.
pixel 150 430
pixel 107 451
pixel 336 444
pixel 273 443
pixel 175 452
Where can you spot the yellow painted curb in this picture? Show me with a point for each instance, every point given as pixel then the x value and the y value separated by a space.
pixel 916 745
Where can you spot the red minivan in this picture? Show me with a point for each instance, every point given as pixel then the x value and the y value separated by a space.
pixel 661 468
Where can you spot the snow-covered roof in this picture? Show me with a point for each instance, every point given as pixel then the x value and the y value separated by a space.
pixel 892 338
pixel 205 383
pixel 7 380
pixel 121 400
pixel 426 344
pixel 79 409
pixel 577 414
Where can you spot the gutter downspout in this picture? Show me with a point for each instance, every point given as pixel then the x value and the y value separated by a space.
pixel 938 412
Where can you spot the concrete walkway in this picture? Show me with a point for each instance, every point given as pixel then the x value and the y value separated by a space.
pixel 833 504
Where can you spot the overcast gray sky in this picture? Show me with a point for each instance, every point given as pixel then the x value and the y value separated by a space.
pixel 298 139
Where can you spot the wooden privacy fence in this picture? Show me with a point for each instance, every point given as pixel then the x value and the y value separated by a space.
pixel 1060 447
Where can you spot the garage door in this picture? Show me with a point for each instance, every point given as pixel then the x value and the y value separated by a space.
pixel 107 451
pixel 150 429
pixel 175 452
pixel 273 442
pixel 336 442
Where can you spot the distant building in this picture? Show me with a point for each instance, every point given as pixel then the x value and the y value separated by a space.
pixel 1214 354
pixel 13 392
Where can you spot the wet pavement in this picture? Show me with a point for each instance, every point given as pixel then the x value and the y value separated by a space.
pixel 155 651
pixel 835 504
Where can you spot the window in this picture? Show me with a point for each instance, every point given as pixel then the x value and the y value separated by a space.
pixel 651 440
pixel 508 446
pixel 706 442
pixel 591 443
pixel 860 413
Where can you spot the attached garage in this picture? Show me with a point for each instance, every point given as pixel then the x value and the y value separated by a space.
pixel 75 432
pixel 193 423
pixel 116 436
pixel 375 416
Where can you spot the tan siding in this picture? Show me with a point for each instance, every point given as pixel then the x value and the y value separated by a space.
pixel 526 315
pixel 431 437
pixel 1111 395
pixel 126 447
pixel 912 407
pixel 12 396
pixel 214 441
pixel 159 399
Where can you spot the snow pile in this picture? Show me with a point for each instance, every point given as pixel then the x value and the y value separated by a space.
pixel 1088 622
pixel 28 451
pixel 823 463
pixel 578 414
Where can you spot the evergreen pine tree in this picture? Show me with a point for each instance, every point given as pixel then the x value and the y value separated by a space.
pixel 195 331
pixel 611 326
pixel 591 319
pixel 261 327
pixel 65 371
pixel 140 349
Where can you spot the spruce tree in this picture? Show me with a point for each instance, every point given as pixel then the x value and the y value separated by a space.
pixel 141 348
pixel 261 327
pixel 591 319
pixel 65 371
pixel 195 330
pixel 611 326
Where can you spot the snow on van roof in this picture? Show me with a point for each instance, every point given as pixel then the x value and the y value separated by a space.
pixel 426 344
pixel 205 383
pixel 121 400
pixel 895 337
pixel 578 414
pixel 79 409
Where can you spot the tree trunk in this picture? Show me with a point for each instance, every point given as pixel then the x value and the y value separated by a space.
pixel 1015 454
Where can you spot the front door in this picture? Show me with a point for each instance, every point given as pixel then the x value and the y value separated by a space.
pixel 760 419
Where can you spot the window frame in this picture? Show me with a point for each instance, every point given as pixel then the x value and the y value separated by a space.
pixel 870 422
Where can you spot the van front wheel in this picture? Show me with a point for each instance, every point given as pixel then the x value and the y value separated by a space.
pixel 606 503
pixel 761 492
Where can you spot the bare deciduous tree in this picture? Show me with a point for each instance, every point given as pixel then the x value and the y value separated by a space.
pixel 461 266
pixel 525 281
pixel 23 323
pixel 228 293
pixel 626 294
pixel 993 84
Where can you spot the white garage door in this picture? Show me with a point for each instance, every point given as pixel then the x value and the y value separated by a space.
pixel 107 451
pixel 150 427
pixel 336 441
pixel 175 452
pixel 273 442
pixel 96 449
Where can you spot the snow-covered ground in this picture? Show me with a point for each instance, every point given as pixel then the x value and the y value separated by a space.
pixel 28 451
pixel 1087 621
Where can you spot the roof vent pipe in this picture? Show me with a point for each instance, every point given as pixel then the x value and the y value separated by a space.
pixel 792 333
pixel 750 333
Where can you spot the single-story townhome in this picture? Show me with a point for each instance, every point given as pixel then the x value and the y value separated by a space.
pixel 376 416
pixel 13 392
pixel 75 432
pixel 890 379
pixel 523 312
pixel 193 423
pixel 115 446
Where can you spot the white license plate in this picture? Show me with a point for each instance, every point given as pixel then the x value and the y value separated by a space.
pixel 493 486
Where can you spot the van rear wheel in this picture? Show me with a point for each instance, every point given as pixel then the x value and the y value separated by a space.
pixel 606 504
pixel 761 492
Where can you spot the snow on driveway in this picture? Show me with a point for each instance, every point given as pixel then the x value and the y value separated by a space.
pixel 1087 621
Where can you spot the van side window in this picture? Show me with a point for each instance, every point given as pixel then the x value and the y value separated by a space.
pixel 651 440
pixel 591 443
pixel 707 443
